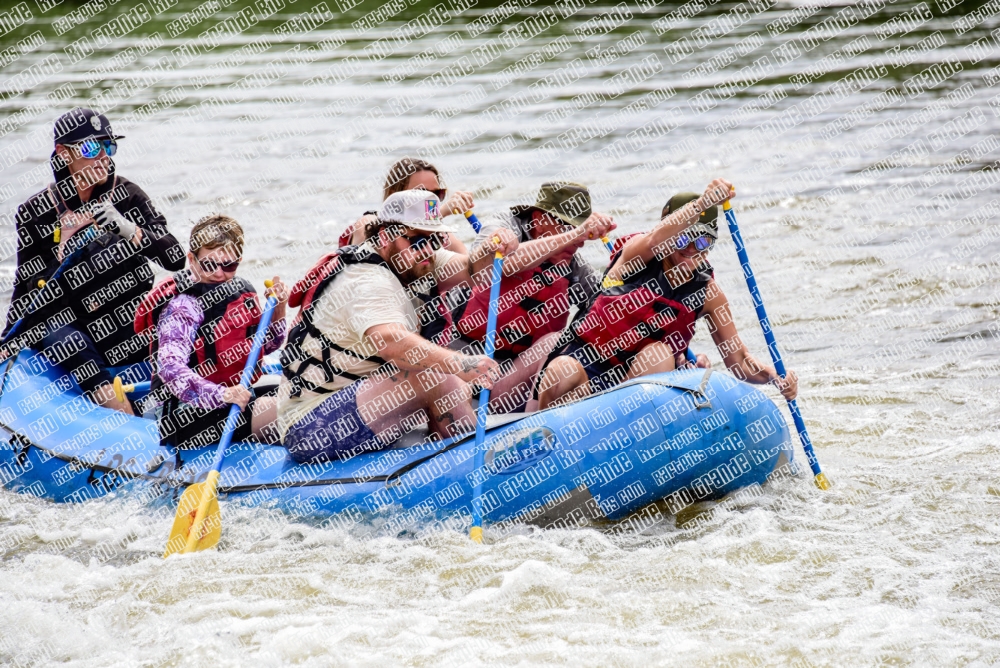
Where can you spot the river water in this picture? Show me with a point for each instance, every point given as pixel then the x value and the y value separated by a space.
pixel 861 139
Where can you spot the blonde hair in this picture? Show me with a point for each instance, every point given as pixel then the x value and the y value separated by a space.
pixel 217 231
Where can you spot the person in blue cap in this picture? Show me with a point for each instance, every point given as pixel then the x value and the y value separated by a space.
pixel 87 328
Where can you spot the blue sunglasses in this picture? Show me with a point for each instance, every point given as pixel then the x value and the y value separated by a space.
pixel 702 243
pixel 91 148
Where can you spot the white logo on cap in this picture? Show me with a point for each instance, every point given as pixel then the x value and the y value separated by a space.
pixel 96 122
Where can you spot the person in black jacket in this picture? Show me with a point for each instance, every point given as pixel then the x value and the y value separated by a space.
pixel 87 327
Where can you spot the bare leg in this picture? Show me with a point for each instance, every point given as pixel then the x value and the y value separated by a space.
pixel 653 358
pixel 388 405
pixel 520 375
pixel 105 396
pixel 265 412
pixel 563 380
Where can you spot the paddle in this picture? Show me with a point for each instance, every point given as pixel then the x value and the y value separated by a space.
pixel 772 345
pixel 121 389
pixel 198 524
pixel 471 217
pixel 80 241
pixel 476 531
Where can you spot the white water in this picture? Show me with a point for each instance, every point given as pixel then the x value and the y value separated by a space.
pixel 896 565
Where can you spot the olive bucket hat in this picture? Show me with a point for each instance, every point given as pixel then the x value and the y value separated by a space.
pixel 567 202
pixel 708 221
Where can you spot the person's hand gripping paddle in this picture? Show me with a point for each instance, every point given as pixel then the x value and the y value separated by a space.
pixel 198 524
pixel 476 531
pixel 772 345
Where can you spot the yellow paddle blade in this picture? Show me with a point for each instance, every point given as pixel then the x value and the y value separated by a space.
pixel 187 510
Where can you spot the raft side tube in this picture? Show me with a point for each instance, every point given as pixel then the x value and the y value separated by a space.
pixel 683 436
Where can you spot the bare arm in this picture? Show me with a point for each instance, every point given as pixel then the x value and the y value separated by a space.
pixel 461 268
pixel 412 352
pixel 530 254
pixel 657 242
pixel 734 352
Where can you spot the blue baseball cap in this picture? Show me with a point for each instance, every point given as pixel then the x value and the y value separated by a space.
pixel 80 124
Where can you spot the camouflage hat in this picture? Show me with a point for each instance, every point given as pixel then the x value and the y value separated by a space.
pixel 567 202
pixel 708 221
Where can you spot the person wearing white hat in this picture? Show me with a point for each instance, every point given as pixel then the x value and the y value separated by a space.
pixel 357 372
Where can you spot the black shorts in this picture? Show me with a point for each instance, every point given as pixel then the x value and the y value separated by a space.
pixel 84 360
pixel 602 374
pixel 185 426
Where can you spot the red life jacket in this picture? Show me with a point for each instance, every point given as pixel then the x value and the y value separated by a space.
pixel 645 308
pixel 435 320
pixel 532 304
pixel 345 237
pixel 224 339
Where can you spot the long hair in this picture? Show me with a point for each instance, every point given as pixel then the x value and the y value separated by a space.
pixel 401 172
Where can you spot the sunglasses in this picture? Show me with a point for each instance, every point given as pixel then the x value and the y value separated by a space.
pixel 436 240
pixel 702 243
pixel 91 148
pixel 209 266
pixel 440 192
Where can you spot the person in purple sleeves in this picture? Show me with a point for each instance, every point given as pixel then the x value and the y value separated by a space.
pixel 200 324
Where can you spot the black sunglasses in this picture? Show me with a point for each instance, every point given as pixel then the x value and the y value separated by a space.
pixel 440 192
pixel 436 240
pixel 209 266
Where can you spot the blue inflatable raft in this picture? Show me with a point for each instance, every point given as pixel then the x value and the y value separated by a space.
pixel 682 437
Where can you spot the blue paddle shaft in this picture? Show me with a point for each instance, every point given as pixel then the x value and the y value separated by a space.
pixel 484 395
pixel 471 217
pixel 691 357
pixel 87 236
pixel 772 345
pixel 234 411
